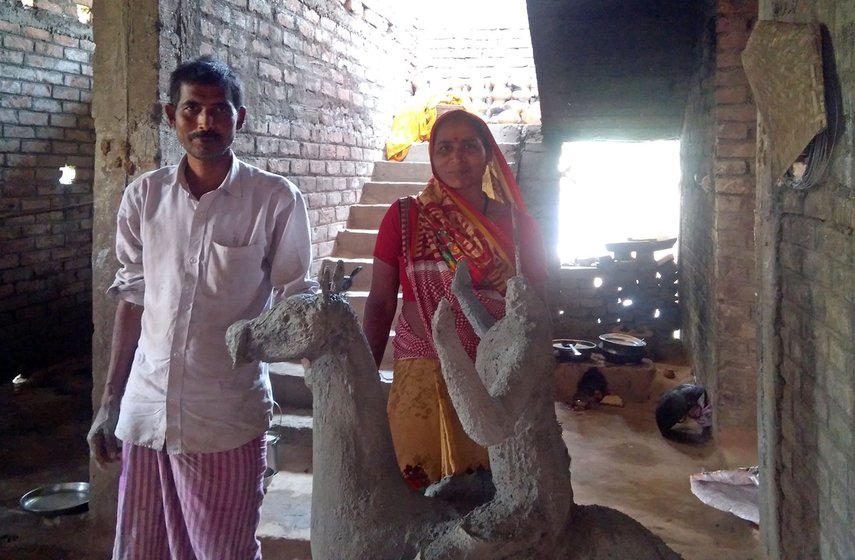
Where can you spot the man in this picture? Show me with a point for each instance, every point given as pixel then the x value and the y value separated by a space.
pixel 201 245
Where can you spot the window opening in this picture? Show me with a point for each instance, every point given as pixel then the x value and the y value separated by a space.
pixel 616 191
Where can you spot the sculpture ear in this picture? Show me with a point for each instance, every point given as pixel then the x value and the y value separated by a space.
pixel 237 339
pixel 326 282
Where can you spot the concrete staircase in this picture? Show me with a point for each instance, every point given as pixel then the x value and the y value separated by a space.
pixel 284 526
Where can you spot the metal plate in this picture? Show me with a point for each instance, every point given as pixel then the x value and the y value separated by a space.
pixel 56 499
pixel 562 348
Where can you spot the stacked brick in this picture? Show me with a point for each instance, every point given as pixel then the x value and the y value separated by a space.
pixel 45 227
pixel 323 81
pixel 717 223
pixel 491 68
pixel 733 228
pixel 634 295
pixel 697 213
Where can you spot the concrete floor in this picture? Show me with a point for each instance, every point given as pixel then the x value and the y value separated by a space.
pixel 618 459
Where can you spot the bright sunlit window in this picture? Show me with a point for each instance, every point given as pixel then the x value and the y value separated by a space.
pixel 616 191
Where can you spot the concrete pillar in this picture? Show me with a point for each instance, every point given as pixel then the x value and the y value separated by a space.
pixel 126 112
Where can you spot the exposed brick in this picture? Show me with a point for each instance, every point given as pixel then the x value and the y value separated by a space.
pixel 18 43
pixel 65 121
pixel 68 94
pixel 730 77
pixel 66 41
pixel 730 167
pixel 743 113
pixel 47 105
pixel 77 55
pixel 736 149
pixel 733 40
pixel 11 57
pixel 731 95
pixel 18 132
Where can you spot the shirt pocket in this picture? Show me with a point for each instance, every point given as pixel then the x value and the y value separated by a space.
pixel 234 272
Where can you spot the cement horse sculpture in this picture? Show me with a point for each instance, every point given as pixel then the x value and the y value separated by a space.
pixel 505 402
pixel 361 506
pixel 509 409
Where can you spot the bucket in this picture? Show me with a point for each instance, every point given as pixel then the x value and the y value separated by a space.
pixel 271 440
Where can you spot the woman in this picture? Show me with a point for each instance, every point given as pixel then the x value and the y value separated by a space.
pixel 471 209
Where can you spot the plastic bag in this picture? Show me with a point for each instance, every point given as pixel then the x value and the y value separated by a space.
pixel 734 491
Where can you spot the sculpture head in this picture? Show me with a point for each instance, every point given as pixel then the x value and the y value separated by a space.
pixel 300 326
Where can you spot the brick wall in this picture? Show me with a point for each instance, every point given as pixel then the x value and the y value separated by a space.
pixel 812 319
pixel 717 258
pixel 484 51
pixel 45 227
pixel 322 82
pixel 733 226
pixel 697 214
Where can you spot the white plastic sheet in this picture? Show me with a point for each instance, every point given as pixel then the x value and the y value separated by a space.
pixel 734 491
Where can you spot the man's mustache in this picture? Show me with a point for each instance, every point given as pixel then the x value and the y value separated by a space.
pixel 212 135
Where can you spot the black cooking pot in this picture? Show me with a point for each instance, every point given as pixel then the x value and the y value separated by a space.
pixel 572 350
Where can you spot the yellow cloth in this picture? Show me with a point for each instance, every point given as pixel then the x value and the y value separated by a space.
pixel 425 429
pixel 413 123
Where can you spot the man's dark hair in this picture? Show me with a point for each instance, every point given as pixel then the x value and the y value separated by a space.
pixel 205 70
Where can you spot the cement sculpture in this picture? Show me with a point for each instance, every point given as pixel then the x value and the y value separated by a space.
pixel 361 507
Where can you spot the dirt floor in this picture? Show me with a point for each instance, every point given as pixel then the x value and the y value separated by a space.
pixel 618 460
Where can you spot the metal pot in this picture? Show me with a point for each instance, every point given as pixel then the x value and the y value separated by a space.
pixel 271 438
pixel 268 477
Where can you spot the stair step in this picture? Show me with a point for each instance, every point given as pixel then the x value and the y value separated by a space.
pixel 357 299
pixel 355 243
pixel 366 216
pixel 387 192
pixel 286 517
pixel 287 379
pixel 401 171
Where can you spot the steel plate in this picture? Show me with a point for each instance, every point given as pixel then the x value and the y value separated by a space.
pixel 56 499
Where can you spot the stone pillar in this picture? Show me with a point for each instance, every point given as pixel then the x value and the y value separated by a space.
pixel 126 113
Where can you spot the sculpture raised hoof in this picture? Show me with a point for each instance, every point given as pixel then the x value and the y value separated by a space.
pixel 464 492
pixel 361 506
